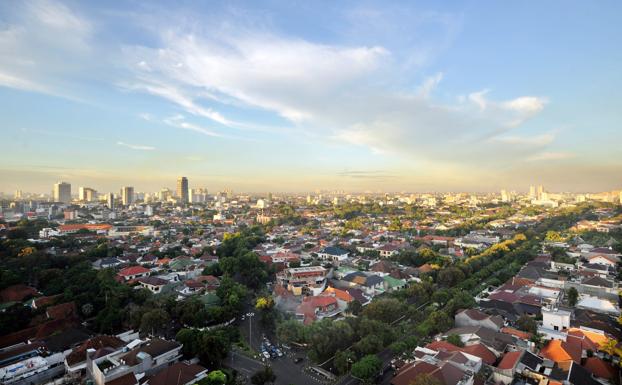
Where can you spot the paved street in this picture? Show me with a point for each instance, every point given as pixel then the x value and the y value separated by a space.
pixel 287 372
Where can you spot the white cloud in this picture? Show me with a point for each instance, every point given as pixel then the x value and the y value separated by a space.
pixel 136 146
pixel 430 84
pixel 526 104
pixel 58 16
pixel 43 45
pixel 179 121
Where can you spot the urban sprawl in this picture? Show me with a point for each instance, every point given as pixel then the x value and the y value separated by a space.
pixel 187 286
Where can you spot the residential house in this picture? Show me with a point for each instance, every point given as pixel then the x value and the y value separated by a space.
pixel 180 373
pixel 133 272
pixel 333 254
pixel 474 317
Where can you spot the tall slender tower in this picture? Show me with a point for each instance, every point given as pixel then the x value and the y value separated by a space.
pixel 111 201
pixel 182 189
pixel 127 195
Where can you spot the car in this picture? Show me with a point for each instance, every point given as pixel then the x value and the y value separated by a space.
pixel 266 354
pixel 279 353
pixel 298 360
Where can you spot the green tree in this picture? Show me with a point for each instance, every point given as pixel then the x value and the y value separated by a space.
pixel 450 277
pixel 154 321
pixel 385 310
pixel 343 360
pixel 455 339
pixel 290 331
pixel 573 296
pixel 367 368
pixel 355 307
pixel 216 377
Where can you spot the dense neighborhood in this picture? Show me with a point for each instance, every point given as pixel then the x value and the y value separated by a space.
pixel 327 288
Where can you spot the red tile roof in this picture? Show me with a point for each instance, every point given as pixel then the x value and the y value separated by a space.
pixel 599 368
pixel 509 360
pixel 17 293
pixel 62 311
pixel 133 270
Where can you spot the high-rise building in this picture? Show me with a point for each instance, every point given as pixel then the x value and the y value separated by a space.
pixel 532 191
pixel 62 192
pixel 127 195
pixel 539 193
pixel 182 189
pixel 86 194
pixel 110 201
pixel 18 194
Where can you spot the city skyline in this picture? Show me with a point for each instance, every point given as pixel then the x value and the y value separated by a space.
pixel 297 97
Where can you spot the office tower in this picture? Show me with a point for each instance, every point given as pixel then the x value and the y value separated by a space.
pixel 532 191
pixel 91 195
pixel 18 194
pixel 127 195
pixel 62 192
pixel 182 189
pixel 86 194
pixel 540 191
pixel 111 201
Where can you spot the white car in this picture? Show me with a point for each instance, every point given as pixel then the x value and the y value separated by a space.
pixel 266 354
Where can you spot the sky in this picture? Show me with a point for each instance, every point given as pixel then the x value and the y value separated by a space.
pixel 305 95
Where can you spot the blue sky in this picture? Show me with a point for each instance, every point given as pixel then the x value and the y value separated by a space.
pixel 298 96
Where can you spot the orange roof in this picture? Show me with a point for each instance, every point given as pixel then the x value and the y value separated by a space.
pixel 87 226
pixel 509 360
pixel 425 268
pixel 517 333
pixel 163 261
pixel 559 351
pixel 596 338
pixel 340 294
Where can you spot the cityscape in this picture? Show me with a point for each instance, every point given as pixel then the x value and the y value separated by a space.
pixel 310 193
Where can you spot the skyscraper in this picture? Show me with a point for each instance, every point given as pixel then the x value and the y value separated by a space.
pixel 127 195
pixel 532 191
pixel 62 192
pixel 86 194
pixel 540 191
pixel 111 201
pixel 182 189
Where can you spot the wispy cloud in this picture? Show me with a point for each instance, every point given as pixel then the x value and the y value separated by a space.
pixel 139 147
pixel 179 121
pixel 366 174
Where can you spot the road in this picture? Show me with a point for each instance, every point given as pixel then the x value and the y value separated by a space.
pixel 287 372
